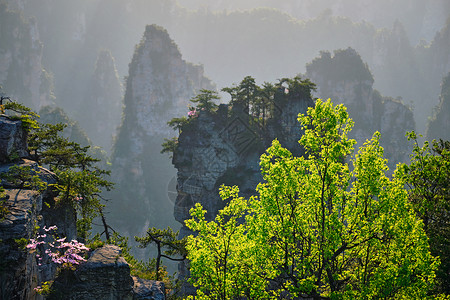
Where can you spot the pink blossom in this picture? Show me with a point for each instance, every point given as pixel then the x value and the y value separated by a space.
pixel 51 228
pixel 192 113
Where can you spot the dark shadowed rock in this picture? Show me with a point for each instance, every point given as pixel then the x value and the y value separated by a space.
pixel 105 275
pixel 13 140
pixel 148 289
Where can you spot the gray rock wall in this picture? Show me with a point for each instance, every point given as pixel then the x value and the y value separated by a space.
pixel 13 140
pixel 20 272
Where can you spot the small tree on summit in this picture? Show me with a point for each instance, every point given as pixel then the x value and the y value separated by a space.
pixel 205 100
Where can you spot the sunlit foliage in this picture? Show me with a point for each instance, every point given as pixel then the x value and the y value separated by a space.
pixel 318 228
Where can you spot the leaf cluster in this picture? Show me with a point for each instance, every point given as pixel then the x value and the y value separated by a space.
pixel 175 249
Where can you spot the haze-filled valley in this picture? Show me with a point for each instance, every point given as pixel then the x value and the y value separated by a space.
pixel 121 74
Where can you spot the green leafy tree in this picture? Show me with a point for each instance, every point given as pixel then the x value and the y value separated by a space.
pixel 224 259
pixel 178 123
pixel 428 177
pixel 317 228
pixel 170 146
pixel 80 181
pixel 205 100
pixel 163 238
pixel 245 93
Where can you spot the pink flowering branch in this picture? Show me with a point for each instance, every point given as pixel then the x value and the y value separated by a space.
pixel 66 254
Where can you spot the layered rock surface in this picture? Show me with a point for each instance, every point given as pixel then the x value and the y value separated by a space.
pixel 105 275
pixel 13 140
pixel 20 272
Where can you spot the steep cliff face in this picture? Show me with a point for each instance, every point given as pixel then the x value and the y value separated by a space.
pixel 21 73
pixel 20 272
pixel 440 122
pixel 101 108
pixel 346 79
pixel 27 212
pixel 13 140
pixel 159 86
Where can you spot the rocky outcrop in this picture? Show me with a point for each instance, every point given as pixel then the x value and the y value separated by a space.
pixel 440 122
pixel 346 79
pixel 20 272
pixel 159 86
pixel 18 268
pixel 105 275
pixel 22 75
pixel 13 140
pixel 148 289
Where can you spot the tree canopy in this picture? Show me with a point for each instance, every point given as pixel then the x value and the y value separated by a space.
pixel 317 228
pixel 428 178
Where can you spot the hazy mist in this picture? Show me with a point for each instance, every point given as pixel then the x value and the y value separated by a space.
pixel 405 44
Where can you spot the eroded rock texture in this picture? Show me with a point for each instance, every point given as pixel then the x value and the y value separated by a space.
pixel 20 272
pixel 13 140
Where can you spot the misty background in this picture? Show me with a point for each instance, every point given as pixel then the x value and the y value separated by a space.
pixel 71 59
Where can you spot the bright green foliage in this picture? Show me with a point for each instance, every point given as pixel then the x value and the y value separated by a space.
pixel 317 227
pixel 224 260
pixel 163 238
pixel 428 177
